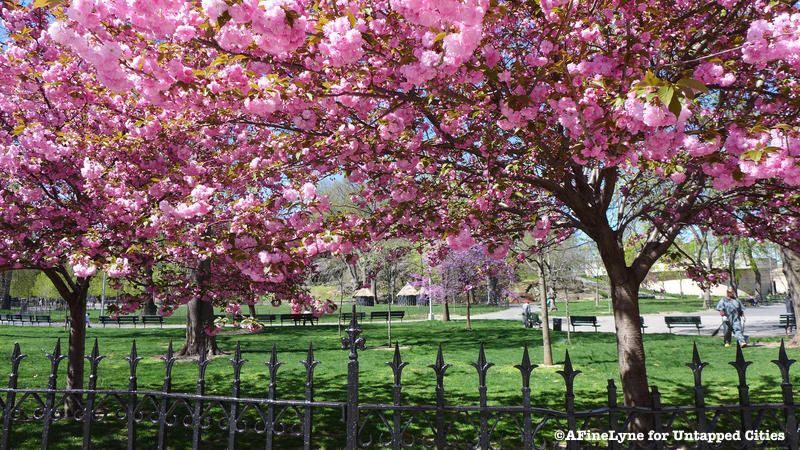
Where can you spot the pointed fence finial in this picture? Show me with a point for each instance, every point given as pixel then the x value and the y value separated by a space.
pixel 133 360
pixel 784 363
pixel 696 365
pixel 397 364
pixel 439 366
pixel 568 373
pixel 525 367
pixel 482 365
pixel 353 341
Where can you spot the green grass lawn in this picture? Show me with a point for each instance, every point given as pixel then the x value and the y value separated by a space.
pixel 592 353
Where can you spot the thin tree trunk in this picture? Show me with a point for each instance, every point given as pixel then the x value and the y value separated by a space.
pixel 707 298
pixel 5 289
pixel 470 294
pixel 791 270
pixel 252 309
pixel 446 315
pixel 547 345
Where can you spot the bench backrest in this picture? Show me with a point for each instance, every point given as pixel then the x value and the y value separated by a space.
pixel 398 313
pixel 583 319
pixel 682 319
pixel 127 319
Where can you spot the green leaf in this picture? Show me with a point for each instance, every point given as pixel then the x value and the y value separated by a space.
pixel 675 106
pixel 439 37
pixel 693 84
pixel 665 94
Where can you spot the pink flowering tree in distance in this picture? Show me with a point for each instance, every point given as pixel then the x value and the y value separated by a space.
pixel 485 120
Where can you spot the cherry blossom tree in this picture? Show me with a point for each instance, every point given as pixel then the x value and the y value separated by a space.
pixel 485 120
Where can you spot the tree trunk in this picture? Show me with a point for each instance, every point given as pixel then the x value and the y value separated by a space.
pixel 150 308
pixel 547 345
pixel 446 315
pixel 252 309
pixel 630 346
pixel 77 348
pixel 5 289
pixel 470 298
pixel 707 298
pixel 791 270
pixel 200 313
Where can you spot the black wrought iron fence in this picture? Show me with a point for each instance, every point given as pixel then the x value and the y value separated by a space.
pixel 167 419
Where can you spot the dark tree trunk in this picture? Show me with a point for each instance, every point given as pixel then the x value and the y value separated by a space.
pixel 5 289
pixel 150 308
pixel 77 347
pixel 791 270
pixel 547 345
pixel 200 313
pixel 446 315
pixel 630 346
pixel 252 309
pixel 470 299
pixel 74 294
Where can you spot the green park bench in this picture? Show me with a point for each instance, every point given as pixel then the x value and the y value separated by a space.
pixel 385 315
pixel 683 322
pixel 580 321
pixel 788 322
pixel 146 318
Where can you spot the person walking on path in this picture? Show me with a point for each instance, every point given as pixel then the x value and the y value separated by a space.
pixel 732 312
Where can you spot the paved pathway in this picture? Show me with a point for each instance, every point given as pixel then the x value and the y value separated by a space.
pixel 759 321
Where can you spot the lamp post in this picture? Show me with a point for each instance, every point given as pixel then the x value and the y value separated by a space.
pixel 103 296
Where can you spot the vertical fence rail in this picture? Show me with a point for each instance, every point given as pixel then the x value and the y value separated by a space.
pixel 309 363
pixel 269 422
pixel 744 393
pixel 163 404
pixel 655 396
pixel 482 366
pixel 352 342
pixel 52 383
pixel 440 367
pixel 526 368
pixel 236 363
pixel 697 367
pixel 94 359
pixel 11 397
pixel 133 362
pixel 397 366
pixel 569 375
pixel 784 363
pixel 612 412
pixel 197 414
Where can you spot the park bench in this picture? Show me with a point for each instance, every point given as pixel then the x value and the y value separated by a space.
pixel 42 319
pixel 346 317
pixel 578 321
pixel 119 320
pixel 683 322
pixel 17 318
pixel 641 323
pixel 385 315
pixel 152 319
pixel 788 322
pixel 297 318
pixel 265 318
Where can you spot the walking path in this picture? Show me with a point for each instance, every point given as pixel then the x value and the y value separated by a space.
pixel 759 321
